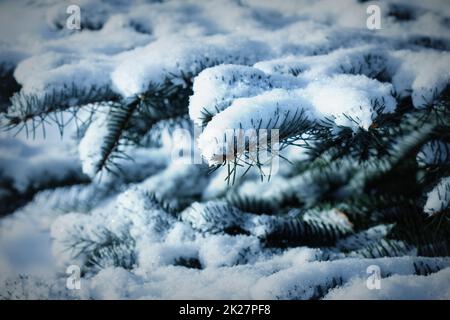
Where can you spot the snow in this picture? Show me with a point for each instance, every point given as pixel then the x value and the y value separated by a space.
pixel 438 199
pixel 117 34
pixel 351 100
pixel 247 115
pixel 367 60
pixel 267 279
pixel 233 267
pixel 64 229
pixel 295 283
pixel 226 250
pixel 363 238
pixel 252 64
pixel 144 67
pixel 398 287
pixel 139 216
pixel 177 183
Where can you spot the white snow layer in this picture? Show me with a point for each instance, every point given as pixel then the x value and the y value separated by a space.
pixel 351 100
pixel 233 267
pixel 253 60
pixel 438 199
pixel 30 167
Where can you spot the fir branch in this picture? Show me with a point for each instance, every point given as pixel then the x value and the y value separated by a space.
pixel 259 150
pixel 39 110
pixel 139 116
pixel 117 122
pixel 384 248
pixel 247 203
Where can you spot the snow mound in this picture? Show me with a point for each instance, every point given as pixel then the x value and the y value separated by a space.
pixel 348 100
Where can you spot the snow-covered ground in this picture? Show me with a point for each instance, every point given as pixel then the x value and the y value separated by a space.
pixel 246 56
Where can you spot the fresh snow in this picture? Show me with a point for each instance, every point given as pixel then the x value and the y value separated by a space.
pixel 398 287
pixel 145 67
pixel 215 88
pixel 34 167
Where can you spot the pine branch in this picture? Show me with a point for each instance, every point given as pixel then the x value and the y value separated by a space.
pixel 363 238
pixel 117 122
pixel 8 85
pixel 310 228
pixel 316 228
pixel 414 131
pixel 39 110
pixel 104 249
